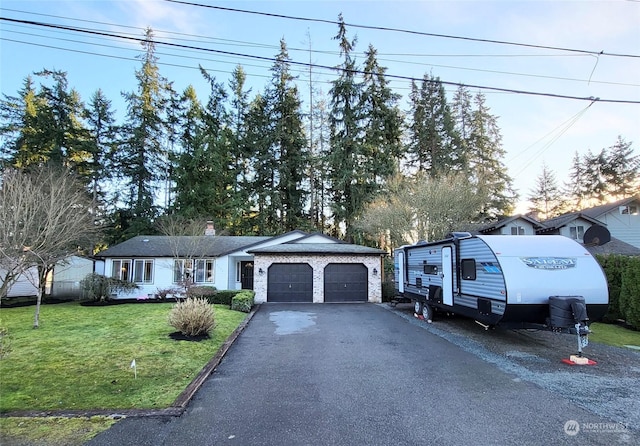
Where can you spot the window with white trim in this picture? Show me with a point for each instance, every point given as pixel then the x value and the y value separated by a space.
pixel 576 232
pixel 143 271
pixel 630 209
pixel 121 269
pixel 517 230
pixel 197 271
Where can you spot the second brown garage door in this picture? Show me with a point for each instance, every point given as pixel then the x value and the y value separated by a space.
pixel 346 282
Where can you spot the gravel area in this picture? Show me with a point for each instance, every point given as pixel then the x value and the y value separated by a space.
pixel 611 388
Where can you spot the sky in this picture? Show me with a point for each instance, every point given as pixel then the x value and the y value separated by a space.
pixel 579 49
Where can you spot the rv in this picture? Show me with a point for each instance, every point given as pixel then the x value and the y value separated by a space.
pixel 520 281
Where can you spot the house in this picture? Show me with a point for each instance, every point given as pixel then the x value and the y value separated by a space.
pixel 621 218
pixel 63 282
pixel 515 225
pixel 292 267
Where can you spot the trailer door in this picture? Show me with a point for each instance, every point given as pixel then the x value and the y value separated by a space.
pixel 447 276
pixel 400 259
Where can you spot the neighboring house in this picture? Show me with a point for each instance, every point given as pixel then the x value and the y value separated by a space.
pixel 229 262
pixel 26 285
pixel 621 218
pixel 516 225
pixel 63 282
pixel 67 275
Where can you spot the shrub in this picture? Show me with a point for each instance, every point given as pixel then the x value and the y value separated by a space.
pixel 192 317
pixel 224 297
pixel 99 288
pixel 243 301
pixel 163 293
pixel 201 292
pixel 630 292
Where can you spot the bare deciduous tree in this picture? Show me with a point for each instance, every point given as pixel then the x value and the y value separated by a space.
pixel 44 218
pixel 423 208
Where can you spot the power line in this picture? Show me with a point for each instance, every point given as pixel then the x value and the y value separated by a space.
pixel 405 31
pixel 306 64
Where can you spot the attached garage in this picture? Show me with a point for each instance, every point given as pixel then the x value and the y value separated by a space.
pixel 290 282
pixel 345 282
pixel 317 268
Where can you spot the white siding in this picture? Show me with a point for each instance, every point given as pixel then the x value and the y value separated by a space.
pixel 625 227
pixel 24 286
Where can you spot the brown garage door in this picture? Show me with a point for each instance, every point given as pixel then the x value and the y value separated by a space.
pixel 346 282
pixel 290 282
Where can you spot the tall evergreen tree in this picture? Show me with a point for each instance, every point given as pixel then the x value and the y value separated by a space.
pixel 574 188
pixel 546 197
pixel 345 159
pixel 434 145
pixel 485 156
pixel 143 150
pixel 240 153
pixel 382 124
pixel 595 175
pixel 101 145
pixel 288 144
pixel 623 170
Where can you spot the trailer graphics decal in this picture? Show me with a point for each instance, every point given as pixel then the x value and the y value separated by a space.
pixel 491 268
pixel 549 263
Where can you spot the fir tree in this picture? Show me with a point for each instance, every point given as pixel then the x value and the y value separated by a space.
pixel 345 159
pixel 623 170
pixel 434 145
pixel 546 197
pixel 141 158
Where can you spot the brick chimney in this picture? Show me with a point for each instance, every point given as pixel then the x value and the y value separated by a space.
pixel 210 230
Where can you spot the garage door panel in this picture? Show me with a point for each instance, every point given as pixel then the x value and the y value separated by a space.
pixel 290 282
pixel 346 282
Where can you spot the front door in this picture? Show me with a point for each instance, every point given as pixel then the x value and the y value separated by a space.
pixel 246 275
pixel 447 276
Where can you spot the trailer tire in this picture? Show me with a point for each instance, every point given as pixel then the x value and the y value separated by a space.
pixel 417 307
pixel 427 312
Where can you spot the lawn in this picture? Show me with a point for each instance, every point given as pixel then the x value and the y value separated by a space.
pixel 80 357
pixel 613 334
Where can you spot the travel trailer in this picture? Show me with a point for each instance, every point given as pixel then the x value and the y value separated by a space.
pixel 519 281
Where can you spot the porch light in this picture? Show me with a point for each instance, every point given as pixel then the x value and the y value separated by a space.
pixel 375 271
pixel 261 272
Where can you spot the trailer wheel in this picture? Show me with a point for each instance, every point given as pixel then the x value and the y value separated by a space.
pixel 427 312
pixel 417 307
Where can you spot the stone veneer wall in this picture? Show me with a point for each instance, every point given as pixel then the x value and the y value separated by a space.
pixel 318 263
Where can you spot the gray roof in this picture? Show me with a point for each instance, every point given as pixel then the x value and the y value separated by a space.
pixel 615 246
pixel 317 248
pixel 503 222
pixel 563 220
pixel 181 246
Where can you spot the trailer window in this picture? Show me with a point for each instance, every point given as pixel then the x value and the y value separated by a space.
pixel 429 269
pixel 468 269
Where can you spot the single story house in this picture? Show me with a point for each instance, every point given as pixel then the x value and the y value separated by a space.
pixel 515 225
pixel 293 267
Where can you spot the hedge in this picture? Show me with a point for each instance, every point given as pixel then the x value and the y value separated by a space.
pixel 623 278
pixel 243 301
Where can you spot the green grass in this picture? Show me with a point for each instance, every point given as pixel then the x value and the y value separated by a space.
pixel 80 357
pixel 51 431
pixel 615 335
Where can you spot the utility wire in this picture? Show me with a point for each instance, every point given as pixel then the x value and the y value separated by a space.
pixel 306 64
pixel 405 31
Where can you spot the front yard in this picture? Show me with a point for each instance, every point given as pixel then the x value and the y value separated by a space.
pixel 80 357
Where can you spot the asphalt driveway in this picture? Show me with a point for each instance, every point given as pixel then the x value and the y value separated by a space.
pixel 359 374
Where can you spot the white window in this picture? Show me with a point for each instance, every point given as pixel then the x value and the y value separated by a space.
pixel 631 209
pixel 183 270
pixel 517 230
pixel 143 271
pixel 576 232
pixel 121 269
